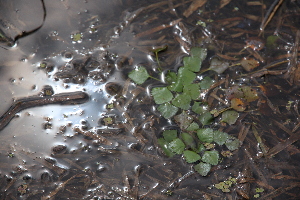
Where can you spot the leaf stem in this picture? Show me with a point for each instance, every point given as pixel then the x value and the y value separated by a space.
pixel 155 78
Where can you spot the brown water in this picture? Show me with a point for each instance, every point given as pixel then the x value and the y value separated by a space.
pixel 67 151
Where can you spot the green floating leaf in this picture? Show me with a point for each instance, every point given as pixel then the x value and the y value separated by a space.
pixel 171 77
pixel 205 135
pixel 176 146
pixel 220 137
pixel 176 86
pixel 186 75
pixel 200 148
pixel 192 90
pixel 161 95
pixel 206 118
pixel 192 63
pixel 218 65
pixel 202 168
pixel 230 116
pixel 191 156
pixel 188 140
pixel 193 126
pixel 182 101
pixel 232 143
pixel 199 108
pixel 199 52
pixel 183 120
pixel 167 110
pixel 211 157
pixel 170 135
pixel 164 146
pixel 259 190
pixel 139 75
pixel 206 83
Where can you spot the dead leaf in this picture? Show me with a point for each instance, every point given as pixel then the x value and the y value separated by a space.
pixel 238 104
pixel 249 64
pixel 194 6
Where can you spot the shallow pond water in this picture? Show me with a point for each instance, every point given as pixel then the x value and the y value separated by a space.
pixel 105 146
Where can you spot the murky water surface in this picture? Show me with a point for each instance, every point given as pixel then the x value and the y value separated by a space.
pixel 105 147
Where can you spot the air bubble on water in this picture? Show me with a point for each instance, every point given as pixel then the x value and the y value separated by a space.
pixel 12 80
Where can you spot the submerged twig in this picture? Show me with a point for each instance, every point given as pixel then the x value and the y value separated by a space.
pixel 269 15
pixel 70 98
pixel 282 145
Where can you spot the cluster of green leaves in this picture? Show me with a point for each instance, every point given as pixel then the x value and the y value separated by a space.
pixel 225 185
pixel 182 89
pixel 177 100
pixel 258 191
pixel 197 145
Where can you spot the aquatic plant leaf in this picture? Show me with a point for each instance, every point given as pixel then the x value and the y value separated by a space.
pixel 202 168
pixel 249 93
pixel 238 104
pixel 192 63
pixel 200 148
pixel 161 95
pixel 159 49
pixel 191 156
pixel 199 108
pixel 186 75
pixel 206 118
pixel 259 190
pixel 206 83
pixel 182 101
pixel 188 140
pixel 170 135
pixel 183 120
pixel 211 157
pixel 176 86
pixel 230 116
pixel 171 77
pixel 164 146
pixel 249 64
pixel 177 146
pixel 220 137
pixel 193 126
pixel 271 43
pixel 167 110
pixel 218 65
pixel 139 75
pixel 192 90
pixel 199 53
pixel 76 37
pixel 205 135
pixel 232 143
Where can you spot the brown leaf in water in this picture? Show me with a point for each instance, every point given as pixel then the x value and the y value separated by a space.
pixel 238 104
pixel 249 64
pixel 194 6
